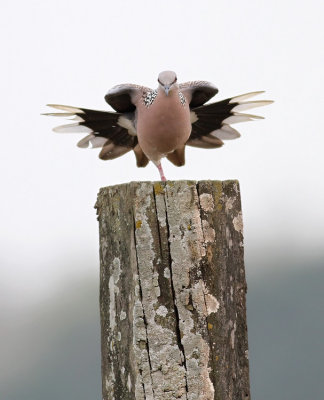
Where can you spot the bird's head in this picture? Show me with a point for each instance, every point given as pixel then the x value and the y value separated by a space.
pixel 167 81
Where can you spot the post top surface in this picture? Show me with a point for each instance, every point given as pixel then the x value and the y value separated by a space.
pixel 173 183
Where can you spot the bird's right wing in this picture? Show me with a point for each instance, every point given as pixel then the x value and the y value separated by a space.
pixel 124 98
pixel 211 123
pixel 114 132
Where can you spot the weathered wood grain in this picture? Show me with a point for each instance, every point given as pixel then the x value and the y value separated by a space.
pixel 172 291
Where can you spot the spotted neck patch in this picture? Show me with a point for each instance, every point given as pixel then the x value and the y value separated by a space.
pixel 182 99
pixel 149 97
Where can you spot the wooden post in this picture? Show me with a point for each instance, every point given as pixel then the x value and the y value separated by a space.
pixel 172 291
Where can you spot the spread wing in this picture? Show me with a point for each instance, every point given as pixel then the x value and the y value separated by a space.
pixel 198 93
pixel 211 123
pixel 114 132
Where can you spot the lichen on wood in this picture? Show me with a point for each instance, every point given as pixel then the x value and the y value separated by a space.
pixel 172 291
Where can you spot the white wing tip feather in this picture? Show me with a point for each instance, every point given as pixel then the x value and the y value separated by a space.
pixel 242 106
pixel 251 104
pixel 226 132
pixel 91 141
pixel 245 96
pixel 72 110
pixel 72 128
pixel 84 143
pixel 238 117
pixel 59 114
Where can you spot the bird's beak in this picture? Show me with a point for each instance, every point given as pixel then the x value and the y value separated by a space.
pixel 167 89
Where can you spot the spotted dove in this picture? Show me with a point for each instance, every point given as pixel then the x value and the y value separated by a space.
pixel 159 123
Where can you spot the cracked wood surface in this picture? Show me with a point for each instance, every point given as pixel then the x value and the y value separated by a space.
pixel 172 291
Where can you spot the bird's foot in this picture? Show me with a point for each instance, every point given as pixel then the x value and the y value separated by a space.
pixel 163 178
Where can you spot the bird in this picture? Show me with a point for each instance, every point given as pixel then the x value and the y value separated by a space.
pixel 159 123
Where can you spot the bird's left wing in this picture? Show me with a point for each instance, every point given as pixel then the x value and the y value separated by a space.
pixel 198 93
pixel 211 123
pixel 114 132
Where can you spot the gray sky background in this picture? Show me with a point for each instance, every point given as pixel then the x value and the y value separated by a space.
pixel 72 52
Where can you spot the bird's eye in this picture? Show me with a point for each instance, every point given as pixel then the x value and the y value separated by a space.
pixel 160 82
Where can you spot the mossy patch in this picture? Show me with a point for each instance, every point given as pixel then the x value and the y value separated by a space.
pixel 158 188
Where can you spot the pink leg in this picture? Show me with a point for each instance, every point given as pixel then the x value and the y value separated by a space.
pixel 163 178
